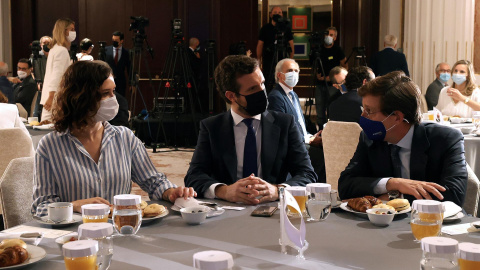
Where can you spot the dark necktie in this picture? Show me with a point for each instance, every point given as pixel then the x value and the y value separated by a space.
pixel 397 163
pixel 250 150
pixel 116 56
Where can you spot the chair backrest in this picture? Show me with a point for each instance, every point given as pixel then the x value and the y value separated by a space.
pixel 471 204
pixel 34 102
pixel 14 143
pixel 16 187
pixel 21 111
pixel 340 141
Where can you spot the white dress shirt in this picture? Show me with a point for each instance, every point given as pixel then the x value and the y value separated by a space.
pixel 448 107
pixel 119 52
pixel 404 154
pixel 240 133
pixel 57 63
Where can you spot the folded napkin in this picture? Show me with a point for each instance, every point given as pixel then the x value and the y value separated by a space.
pixel 47 126
pixel 451 209
pixel 182 203
pixel 29 240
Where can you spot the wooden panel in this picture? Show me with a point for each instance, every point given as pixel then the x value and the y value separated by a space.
pixel 22 19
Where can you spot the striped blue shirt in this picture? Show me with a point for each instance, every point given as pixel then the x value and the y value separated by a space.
pixel 65 172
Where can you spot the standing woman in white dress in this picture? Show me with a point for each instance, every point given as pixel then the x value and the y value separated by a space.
pixel 57 63
pixel 463 97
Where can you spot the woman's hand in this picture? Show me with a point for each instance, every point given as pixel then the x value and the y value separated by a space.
pixel 172 194
pixel 77 205
pixel 49 101
pixel 456 95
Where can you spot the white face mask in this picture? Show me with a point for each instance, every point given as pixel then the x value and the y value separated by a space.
pixel 328 40
pixel 21 74
pixel 291 78
pixel 72 35
pixel 108 109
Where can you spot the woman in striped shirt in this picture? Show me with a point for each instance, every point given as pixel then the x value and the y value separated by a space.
pixel 87 160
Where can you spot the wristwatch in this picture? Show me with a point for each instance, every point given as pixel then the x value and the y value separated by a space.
pixel 393 194
pixel 467 100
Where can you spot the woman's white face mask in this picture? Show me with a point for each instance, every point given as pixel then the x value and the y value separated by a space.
pixel 108 109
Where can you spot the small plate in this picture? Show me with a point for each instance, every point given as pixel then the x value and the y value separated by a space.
pixel 35 254
pixel 348 209
pixel 44 127
pixel 337 204
pixel 212 213
pixel 150 219
pixel 453 218
pixel 45 220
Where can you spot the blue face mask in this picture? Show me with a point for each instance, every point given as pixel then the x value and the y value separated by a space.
pixel 344 88
pixel 291 78
pixel 459 78
pixel 375 130
pixel 444 77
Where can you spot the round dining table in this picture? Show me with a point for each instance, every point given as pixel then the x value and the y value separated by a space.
pixel 344 240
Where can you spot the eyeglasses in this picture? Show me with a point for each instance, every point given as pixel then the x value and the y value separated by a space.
pixel 368 113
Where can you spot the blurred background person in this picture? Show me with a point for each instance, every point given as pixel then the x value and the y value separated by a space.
pixel 442 72
pixel 86 47
pixel 119 60
pixel 5 85
pixel 9 117
pixel 44 43
pixel 388 59
pixel 57 62
pixel 463 97
pixel 25 90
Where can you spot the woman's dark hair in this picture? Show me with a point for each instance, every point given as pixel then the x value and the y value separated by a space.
pixel 78 99
pixel 397 92
pixel 85 44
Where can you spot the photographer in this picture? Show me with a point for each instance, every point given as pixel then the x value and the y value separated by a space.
pixel 331 56
pixel 266 41
pixel 118 59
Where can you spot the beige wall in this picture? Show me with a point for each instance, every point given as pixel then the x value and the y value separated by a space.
pixel 476 39
pixel 6 36
pixel 390 21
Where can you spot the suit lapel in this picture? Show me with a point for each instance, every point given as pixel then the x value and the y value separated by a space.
pixel 418 156
pixel 270 137
pixel 228 140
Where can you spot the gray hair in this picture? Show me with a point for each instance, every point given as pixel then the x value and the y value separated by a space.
pixel 438 66
pixel 390 40
pixel 3 69
pixel 278 67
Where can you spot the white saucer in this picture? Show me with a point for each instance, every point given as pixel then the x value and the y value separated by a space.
pixel 45 220
pixel 453 218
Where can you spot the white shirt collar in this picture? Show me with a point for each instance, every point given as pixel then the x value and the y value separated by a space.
pixel 406 141
pixel 285 88
pixel 237 119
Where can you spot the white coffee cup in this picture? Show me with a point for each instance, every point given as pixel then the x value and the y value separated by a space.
pixel 60 212
pixel 31 119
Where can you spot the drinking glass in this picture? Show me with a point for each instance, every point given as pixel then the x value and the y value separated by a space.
pixel 319 204
pixel 426 218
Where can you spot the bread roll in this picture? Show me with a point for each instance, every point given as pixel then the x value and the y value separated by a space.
pixel 359 204
pixel 399 204
pixel 12 243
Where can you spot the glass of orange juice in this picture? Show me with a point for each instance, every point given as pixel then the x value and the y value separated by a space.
pixel 95 212
pixel 426 218
pixel 469 256
pixel 300 195
pixel 80 255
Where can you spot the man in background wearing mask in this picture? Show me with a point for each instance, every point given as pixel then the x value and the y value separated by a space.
pixel 284 99
pixel 26 89
pixel 396 154
pixel 266 43
pixel 44 42
pixel 442 72
pixel 118 59
pixel 244 154
pixel 331 55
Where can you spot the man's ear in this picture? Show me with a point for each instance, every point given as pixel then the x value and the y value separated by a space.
pixel 230 96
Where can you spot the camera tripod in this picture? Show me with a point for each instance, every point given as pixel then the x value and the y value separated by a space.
pixel 211 69
pixel 177 77
pixel 360 57
pixel 279 53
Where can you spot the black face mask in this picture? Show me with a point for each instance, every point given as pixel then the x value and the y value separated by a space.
pixel 115 44
pixel 256 103
pixel 45 48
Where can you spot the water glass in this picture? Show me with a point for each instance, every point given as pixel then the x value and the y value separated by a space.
pixel 319 204
pixel 127 214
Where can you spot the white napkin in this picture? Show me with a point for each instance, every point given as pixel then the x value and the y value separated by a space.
pixel 32 241
pixel 451 209
pixel 47 126
pixel 182 203
pixel 456 229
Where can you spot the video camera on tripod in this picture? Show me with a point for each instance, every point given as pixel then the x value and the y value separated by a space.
pixel 73 52
pixel 138 27
pixel 36 48
pixel 102 55
pixel 177 33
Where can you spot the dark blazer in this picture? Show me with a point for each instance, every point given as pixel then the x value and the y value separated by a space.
pixel 388 60
pixel 437 156
pixel 24 92
pixel 346 108
pixel 280 102
pixel 121 119
pixel 283 152
pixel 119 69
pixel 7 89
pixel 433 91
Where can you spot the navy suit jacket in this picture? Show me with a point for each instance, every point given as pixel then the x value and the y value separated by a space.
pixel 388 60
pixel 346 108
pixel 283 152
pixel 119 68
pixel 437 155
pixel 7 89
pixel 280 102
pixel 433 91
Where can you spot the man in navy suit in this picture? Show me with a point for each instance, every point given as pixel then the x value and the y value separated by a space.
pixel 396 154
pixel 389 59
pixel 119 60
pixel 346 108
pixel 244 154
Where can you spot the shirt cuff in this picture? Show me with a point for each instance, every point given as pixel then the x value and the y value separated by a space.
pixel 307 138
pixel 381 187
pixel 210 193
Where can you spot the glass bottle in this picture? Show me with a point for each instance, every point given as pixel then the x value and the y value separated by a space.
pixel 127 214
pixel 319 202
pixel 102 233
pixel 439 253
pixel 80 255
